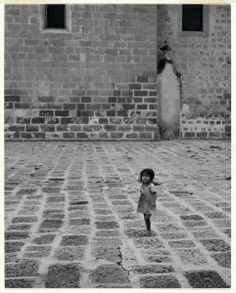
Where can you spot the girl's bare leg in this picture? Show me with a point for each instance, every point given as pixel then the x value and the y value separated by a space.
pixel 147 221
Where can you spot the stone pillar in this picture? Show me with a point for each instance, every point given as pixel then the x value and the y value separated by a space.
pixel 169 88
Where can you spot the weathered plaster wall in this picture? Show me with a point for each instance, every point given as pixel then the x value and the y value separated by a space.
pixel 169 102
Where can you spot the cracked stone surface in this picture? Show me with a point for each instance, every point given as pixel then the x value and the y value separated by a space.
pixel 109 274
pixel 71 220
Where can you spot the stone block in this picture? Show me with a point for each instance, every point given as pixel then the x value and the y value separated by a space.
pixel 191 256
pixel 103 121
pixel 152 269
pixel 13 246
pixel 63 276
pixel 67 120
pixel 23 268
pixel 50 225
pixel 62 127
pixel 19 227
pixel 74 240
pixel 44 239
pixel 116 135
pixel 80 107
pixel 167 281
pixel 216 215
pixel 16 235
pixel 150 100
pixel 205 279
pixel 107 274
pixel 78 222
pixel 87 113
pixel 75 128
pixel 124 128
pixel 189 134
pixel 142 107
pixel 25 135
pixel 181 244
pixel 107 233
pixel 54 106
pixel 131 135
pixel 45 99
pixel 68 135
pixel 128 106
pixel 202 134
pixel 22 105
pixel 223 259
pixel 146 135
pixel 20 283
pixel 106 225
pixel 122 113
pixel 227 96
pixel 46 113
pixel 12 98
pixel 138 100
pixel 70 253
pixel 69 106
pixel 111 254
pixel 8 105
pixel 216 245
pixel 214 134
pixel 62 113
pixel 140 93
pixel 82 135
pixel 52 120
pixel 135 86
pixel 127 93
pixel 37 251
pixel 38 120
pixel 112 100
pixel 32 128
pixel 16 128
pixel 24 219
pixel 110 127
pixel 86 99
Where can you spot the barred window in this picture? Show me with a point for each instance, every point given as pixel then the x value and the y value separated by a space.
pixel 192 18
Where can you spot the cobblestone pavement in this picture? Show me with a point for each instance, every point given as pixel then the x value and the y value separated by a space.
pixel 71 221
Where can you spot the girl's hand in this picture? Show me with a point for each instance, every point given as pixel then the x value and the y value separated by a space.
pixel 155 182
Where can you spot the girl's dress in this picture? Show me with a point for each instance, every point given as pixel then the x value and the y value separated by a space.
pixel 147 200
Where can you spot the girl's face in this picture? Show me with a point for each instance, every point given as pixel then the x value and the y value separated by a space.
pixel 146 178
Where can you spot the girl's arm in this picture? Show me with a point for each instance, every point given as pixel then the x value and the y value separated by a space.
pixel 153 188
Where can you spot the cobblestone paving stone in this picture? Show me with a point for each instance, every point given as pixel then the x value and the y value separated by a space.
pixel 71 220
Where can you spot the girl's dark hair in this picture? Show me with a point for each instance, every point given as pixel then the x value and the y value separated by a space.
pixel 148 171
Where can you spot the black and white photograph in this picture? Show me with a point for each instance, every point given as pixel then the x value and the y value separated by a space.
pixel 117 145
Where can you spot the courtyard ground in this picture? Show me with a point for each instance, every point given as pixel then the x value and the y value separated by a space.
pixel 71 220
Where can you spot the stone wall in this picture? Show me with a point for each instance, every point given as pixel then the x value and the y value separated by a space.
pixel 98 81
pixel 204 62
pixel 127 114
pixel 89 83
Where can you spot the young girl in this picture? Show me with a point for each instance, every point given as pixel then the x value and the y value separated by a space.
pixel 147 200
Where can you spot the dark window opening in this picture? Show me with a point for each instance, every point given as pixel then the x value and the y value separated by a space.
pixel 55 16
pixel 192 18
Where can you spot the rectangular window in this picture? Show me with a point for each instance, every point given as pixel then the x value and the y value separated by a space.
pixel 192 18
pixel 55 16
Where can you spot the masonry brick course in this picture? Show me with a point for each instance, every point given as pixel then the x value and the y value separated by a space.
pixel 99 80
